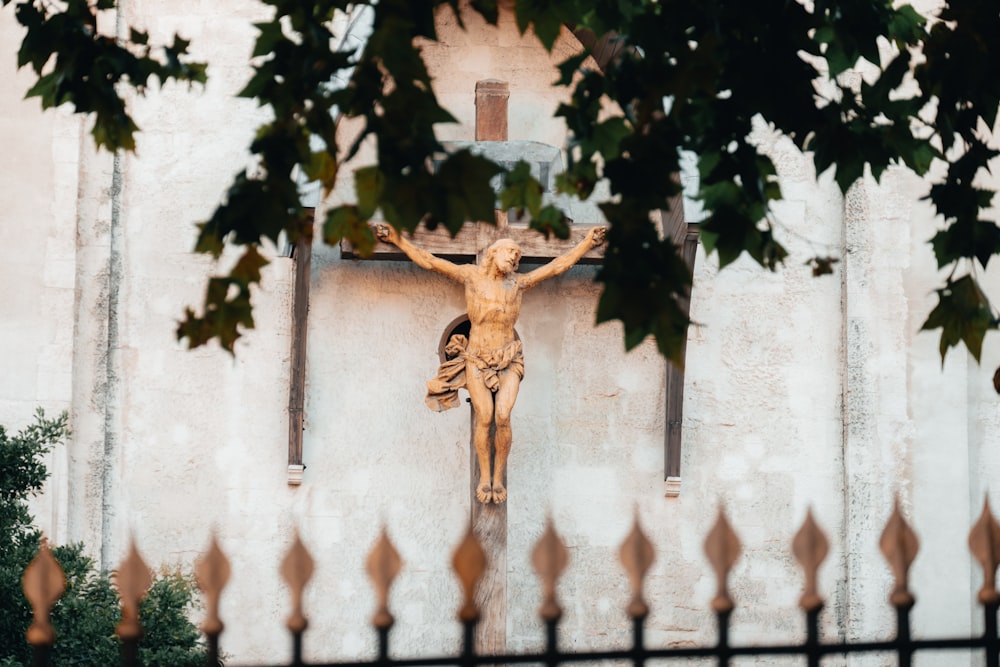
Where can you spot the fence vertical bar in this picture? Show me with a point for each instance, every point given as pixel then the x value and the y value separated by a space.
pixel 296 648
pixel 637 555
pixel 40 655
pixel 383 643
pixel 212 650
pixel 43 582
pixel 130 652
pixel 722 649
pixel 132 579
pixel 549 558
pixel 383 564
pixel 904 643
pixel 984 545
pixel 810 548
pixel 813 653
pixel 469 563
pixel 211 572
pixel 639 641
pixel 468 642
pixel 722 547
pixel 990 634
pixel 297 569
pixel 899 545
pixel 552 642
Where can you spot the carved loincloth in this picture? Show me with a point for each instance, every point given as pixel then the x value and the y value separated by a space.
pixel 442 391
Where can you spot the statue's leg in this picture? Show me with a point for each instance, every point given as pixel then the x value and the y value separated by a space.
pixel 510 381
pixel 482 417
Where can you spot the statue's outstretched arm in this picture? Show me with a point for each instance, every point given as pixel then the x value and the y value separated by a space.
pixel 420 257
pixel 564 262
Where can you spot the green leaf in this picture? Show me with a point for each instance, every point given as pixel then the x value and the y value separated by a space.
pixel 569 67
pixel 368 184
pixel 138 36
pixel 824 35
pixel 344 223
pixel 608 135
pixel 543 17
pixel 322 167
pixel 963 315
pixel 922 157
pixel 821 266
pixel 467 194
pixel 46 88
pixel 849 169
pixel 522 191
pixel 115 133
pixel 839 59
pixel 260 82
pixel 487 9
pixel 270 35
pixel 247 268
pixel 906 26
pixel 670 331
pixel 224 318
pixel 551 220
pixel 730 233
pixel 978 238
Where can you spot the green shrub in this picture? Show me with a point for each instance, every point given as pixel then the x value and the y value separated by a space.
pixel 86 615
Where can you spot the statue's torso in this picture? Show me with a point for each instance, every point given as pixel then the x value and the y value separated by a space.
pixel 494 305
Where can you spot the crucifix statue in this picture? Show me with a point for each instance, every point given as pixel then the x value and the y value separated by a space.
pixel 489 364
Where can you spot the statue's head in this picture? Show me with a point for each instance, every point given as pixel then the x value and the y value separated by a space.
pixel 505 255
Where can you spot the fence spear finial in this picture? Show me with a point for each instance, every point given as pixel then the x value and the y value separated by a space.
pixel 43 583
pixel 722 547
pixel 469 563
pixel 211 573
pixel 132 579
pixel 984 543
pixel 549 558
pixel 637 555
pixel 297 569
pixel 810 547
pixel 383 565
pixel 899 545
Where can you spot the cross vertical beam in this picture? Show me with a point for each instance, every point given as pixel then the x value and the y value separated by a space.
pixel 489 521
pixel 491 110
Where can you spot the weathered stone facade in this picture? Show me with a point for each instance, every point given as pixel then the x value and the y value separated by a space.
pixel 800 392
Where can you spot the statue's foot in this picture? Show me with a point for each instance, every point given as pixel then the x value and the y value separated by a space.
pixel 484 492
pixel 499 493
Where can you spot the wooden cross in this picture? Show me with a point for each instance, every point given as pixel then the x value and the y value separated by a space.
pixel 469 245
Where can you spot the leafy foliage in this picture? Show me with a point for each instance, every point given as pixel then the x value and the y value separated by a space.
pixel 691 75
pixel 86 615
pixel 23 476
pixel 77 65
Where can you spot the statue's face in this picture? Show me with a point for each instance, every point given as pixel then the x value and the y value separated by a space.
pixel 506 257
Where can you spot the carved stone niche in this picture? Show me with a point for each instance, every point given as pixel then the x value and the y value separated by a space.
pixel 460 325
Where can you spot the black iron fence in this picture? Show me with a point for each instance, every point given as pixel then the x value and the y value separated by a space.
pixel 44 583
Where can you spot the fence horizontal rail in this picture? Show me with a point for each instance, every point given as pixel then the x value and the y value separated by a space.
pixel 44 583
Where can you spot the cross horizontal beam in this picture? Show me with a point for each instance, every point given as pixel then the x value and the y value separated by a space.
pixel 474 238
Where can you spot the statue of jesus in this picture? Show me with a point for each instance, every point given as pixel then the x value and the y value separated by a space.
pixel 490 363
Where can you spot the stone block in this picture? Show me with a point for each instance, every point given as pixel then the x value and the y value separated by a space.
pixel 545 160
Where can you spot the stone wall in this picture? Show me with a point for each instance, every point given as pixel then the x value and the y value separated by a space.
pixel 800 392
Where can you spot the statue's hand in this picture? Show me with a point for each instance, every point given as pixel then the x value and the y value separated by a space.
pixel 386 233
pixel 597 235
